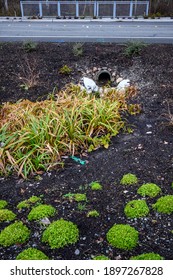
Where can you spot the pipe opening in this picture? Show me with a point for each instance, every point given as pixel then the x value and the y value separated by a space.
pixel 104 77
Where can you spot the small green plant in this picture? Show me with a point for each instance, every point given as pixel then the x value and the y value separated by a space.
pixel 136 209
pixel 122 236
pixel 93 213
pixel 3 204
pixel 16 233
pixel 31 254
pixel 129 179
pixel 149 189
pixel 6 215
pixel 65 70
pixel 28 203
pixel 81 206
pixel 147 256
pixel 60 233
pixel 41 211
pixel 164 204
pixel 78 49
pixel 29 46
pixel 101 257
pixel 95 186
pixel 80 197
pixel 134 48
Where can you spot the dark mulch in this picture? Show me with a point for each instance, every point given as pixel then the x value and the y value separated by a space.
pixel 147 152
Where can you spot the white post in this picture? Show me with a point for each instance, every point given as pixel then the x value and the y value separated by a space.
pixel 131 9
pixel 21 8
pixel 114 9
pixel 40 9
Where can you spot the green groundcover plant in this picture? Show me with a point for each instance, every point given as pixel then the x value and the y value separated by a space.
pixel 28 203
pixel 136 209
pixel 3 204
pixel 6 215
pixel 122 236
pixel 147 256
pixel 41 211
pixel 60 233
pixel 93 213
pixel 149 189
pixel 129 179
pixel 101 257
pixel 16 233
pixel 31 254
pixel 164 204
pixel 95 186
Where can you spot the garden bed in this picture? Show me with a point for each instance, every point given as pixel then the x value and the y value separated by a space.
pixel 147 152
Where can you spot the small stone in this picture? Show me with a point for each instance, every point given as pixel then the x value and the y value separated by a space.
pixel 45 221
pixel 119 80
pixel 77 252
pixel 149 132
pixel 149 125
pixel 95 69
pixel 165 142
pixel 113 74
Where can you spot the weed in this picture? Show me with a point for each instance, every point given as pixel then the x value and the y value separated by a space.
pixel 122 236
pixel 134 48
pixel 78 49
pixel 93 213
pixel 164 204
pixel 6 215
pixel 60 233
pixel 3 204
pixel 65 70
pixel 147 256
pixel 129 179
pixel 95 186
pixel 81 206
pixel 168 116
pixel 16 233
pixel 41 211
pixel 149 189
pixel 136 209
pixel 29 46
pixel 31 254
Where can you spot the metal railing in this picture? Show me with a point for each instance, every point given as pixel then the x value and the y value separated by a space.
pixel 111 9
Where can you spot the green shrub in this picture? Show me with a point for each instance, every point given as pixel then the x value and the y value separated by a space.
pixel 41 211
pixel 101 257
pixel 65 70
pixel 95 186
pixel 147 256
pixel 16 233
pixel 164 204
pixel 3 204
pixel 60 233
pixel 136 209
pixel 93 213
pixel 31 254
pixel 29 46
pixel 149 189
pixel 80 197
pixel 28 203
pixel 134 48
pixel 129 179
pixel 122 236
pixel 6 215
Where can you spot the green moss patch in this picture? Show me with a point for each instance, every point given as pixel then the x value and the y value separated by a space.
pixel 149 189
pixel 28 203
pixel 164 204
pixel 3 204
pixel 101 257
pixel 31 254
pixel 147 256
pixel 136 209
pixel 80 197
pixel 122 236
pixel 95 186
pixel 41 211
pixel 93 213
pixel 129 179
pixel 6 215
pixel 16 233
pixel 60 233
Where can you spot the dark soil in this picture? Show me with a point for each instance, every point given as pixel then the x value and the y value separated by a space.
pixel 147 152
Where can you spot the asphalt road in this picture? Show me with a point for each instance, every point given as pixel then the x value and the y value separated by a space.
pixel 87 31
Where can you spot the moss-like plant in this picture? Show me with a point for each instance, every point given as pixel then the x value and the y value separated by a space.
pixel 3 204
pixel 164 204
pixel 31 254
pixel 101 257
pixel 80 197
pixel 60 233
pixel 16 233
pixel 41 211
pixel 136 209
pixel 28 203
pixel 6 215
pixel 147 256
pixel 95 186
pixel 65 70
pixel 149 189
pixel 93 213
pixel 129 179
pixel 122 236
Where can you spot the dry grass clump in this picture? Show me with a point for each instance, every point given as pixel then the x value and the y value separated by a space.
pixel 35 135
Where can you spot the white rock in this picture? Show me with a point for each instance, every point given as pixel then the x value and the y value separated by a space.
pixel 90 85
pixel 123 84
pixel 118 80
